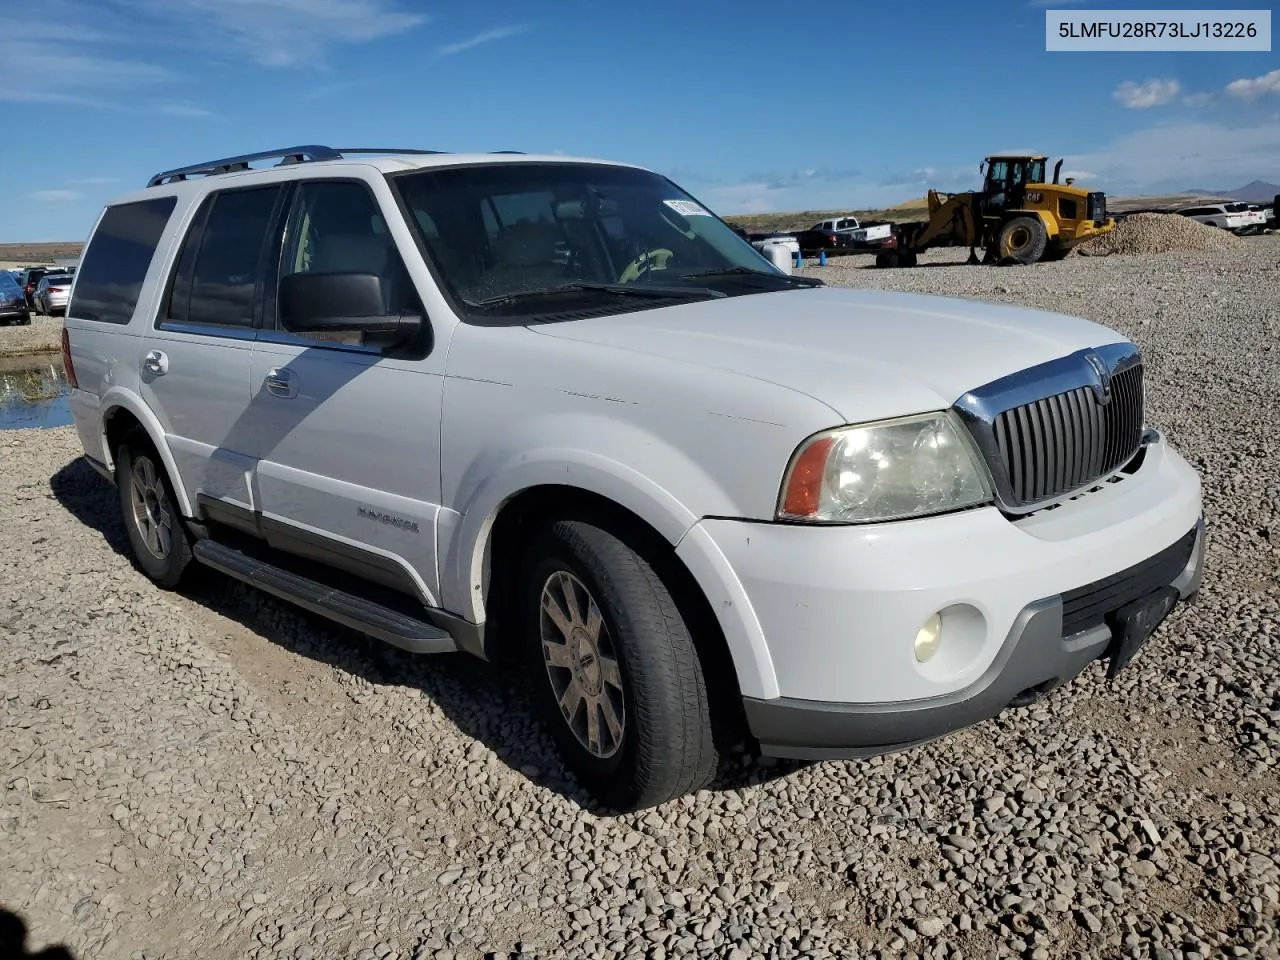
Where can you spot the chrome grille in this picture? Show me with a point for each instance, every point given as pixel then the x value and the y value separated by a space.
pixel 1053 430
pixel 1060 443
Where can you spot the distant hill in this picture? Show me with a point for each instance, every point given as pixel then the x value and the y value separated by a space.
pixel 34 254
pixel 1260 191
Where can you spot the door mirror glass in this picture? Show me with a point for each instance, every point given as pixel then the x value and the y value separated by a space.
pixel 342 303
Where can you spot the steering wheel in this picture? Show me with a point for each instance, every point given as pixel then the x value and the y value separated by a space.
pixel 649 260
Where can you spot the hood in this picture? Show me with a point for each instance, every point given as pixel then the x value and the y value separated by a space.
pixel 865 353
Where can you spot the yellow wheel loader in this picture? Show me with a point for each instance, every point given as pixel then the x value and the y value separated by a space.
pixel 1017 217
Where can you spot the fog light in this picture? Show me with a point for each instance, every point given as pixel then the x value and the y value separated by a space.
pixel 928 638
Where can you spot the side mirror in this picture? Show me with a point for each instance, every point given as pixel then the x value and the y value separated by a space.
pixel 342 303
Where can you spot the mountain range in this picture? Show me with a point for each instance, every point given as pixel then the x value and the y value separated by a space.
pixel 1260 191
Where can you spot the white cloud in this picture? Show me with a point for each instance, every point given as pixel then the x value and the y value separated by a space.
pixel 280 33
pixel 1255 87
pixel 487 36
pixel 1177 157
pixel 102 54
pixel 181 108
pixel 1198 100
pixel 57 196
pixel 38 71
pixel 1152 93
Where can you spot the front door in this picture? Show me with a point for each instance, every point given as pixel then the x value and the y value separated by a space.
pixel 347 444
pixel 196 366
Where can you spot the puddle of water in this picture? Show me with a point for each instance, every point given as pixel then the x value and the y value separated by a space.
pixel 33 392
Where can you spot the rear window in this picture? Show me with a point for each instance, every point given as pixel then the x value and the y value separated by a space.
pixel 115 263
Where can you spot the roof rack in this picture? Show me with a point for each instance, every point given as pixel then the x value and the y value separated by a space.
pixel 288 155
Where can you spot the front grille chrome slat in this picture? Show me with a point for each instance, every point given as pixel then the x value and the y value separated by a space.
pixel 1045 446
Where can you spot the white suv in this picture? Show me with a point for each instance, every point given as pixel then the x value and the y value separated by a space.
pixel 1236 217
pixel 557 410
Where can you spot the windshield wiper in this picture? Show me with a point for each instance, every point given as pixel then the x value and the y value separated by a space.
pixel 748 272
pixel 622 289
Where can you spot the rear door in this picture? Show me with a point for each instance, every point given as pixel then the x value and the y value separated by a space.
pixel 348 435
pixel 196 364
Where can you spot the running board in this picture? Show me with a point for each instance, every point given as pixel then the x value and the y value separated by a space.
pixel 378 621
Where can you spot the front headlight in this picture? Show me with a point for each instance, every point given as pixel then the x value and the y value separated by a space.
pixel 891 470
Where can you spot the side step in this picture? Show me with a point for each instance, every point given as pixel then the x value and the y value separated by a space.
pixel 374 619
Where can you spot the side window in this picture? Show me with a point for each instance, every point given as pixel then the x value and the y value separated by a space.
pixel 115 263
pixel 219 268
pixel 336 227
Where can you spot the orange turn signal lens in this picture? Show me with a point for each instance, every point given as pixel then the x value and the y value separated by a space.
pixel 804 482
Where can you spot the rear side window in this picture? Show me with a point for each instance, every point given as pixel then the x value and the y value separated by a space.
pixel 220 267
pixel 115 263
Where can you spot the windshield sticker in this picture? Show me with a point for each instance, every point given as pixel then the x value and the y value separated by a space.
pixel 687 208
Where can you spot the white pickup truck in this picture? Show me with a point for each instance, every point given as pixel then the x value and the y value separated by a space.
pixel 855 231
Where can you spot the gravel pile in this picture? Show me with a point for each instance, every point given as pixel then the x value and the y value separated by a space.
pixel 1159 233
pixel 214 774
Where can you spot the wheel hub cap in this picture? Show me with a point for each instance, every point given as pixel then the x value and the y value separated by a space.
pixel 150 515
pixel 582 665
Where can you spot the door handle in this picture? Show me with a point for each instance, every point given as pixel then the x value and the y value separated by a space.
pixel 157 362
pixel 280 382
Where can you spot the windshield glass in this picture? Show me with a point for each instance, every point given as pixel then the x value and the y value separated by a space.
pixel 509 229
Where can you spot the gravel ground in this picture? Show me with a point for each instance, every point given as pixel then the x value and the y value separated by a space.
pixel 214 774
pixel 42 335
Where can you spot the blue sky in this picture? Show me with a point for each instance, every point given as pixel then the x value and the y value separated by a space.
pixel 752 106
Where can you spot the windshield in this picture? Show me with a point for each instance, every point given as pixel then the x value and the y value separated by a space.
pixel 514 230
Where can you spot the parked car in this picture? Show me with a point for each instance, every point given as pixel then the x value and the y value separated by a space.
pixel 52 292
pixel 13 302
pixel 1236 217
pixel 694 500
pixel 30 279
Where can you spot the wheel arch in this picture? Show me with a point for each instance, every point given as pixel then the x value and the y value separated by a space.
pixel 514 524
pixel 123 412
pixel 1047 220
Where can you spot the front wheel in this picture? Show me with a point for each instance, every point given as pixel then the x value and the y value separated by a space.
pixel 614 669
pixel 151 517
pixel 1023 240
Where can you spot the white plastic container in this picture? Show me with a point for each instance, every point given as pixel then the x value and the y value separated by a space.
pixel 779 256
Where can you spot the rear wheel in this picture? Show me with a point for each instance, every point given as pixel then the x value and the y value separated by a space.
pixel 156 532
pixel 1023 240
pixel 614 669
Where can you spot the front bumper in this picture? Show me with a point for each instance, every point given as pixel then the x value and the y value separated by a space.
pixel 1042 651
pixel 821 621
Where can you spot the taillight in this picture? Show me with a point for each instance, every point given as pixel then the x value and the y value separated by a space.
pixel 66 359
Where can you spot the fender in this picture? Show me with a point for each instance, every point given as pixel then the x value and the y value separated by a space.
pixel 464 542
pixel 119 398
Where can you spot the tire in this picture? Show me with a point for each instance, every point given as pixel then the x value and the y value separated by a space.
pixel 157 534
pixel 25 319
pixel 1023 240
pixel 660 743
